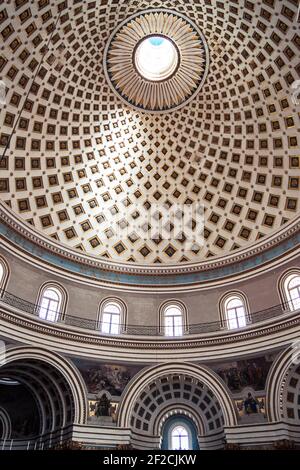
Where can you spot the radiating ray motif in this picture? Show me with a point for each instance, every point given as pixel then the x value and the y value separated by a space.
pixel 173 91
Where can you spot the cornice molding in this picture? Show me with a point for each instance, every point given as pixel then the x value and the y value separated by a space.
pixel 75 338
pixel 148 274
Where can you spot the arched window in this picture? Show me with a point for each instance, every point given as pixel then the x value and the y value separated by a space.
pixel 292 291
pixel 50 304
pixel 234 311
pixel 173 320
pixel 180 438
pixel 112 317
pixel 179 433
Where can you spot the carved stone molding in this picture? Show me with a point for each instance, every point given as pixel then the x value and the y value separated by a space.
pixel 195 343
pixel 43 242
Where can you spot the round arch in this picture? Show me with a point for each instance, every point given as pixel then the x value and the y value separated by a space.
pixel 277 381
pixel 171 411
pixel 4 271
pixel 281 287
pixel 222 306
pixel 182 308
pixel 123 311
pixel 69 372
pixel 179 421
pixel 199 372
pixel 62 293
pixel 6 425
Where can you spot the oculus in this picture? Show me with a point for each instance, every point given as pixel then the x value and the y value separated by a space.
pixel 156 60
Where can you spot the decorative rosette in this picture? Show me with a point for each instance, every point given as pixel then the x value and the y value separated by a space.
pixel 156 60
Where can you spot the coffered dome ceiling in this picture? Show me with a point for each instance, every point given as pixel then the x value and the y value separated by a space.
pixel 83 162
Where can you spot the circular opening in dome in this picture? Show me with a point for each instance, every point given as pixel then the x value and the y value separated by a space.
pixel 156 58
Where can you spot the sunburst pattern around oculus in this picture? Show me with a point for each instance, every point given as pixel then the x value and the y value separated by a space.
pixel 156 60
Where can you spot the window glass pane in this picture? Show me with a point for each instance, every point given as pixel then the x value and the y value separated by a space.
pixel 292 289
pixel 180 439
pixel 115 329
pixel 178 320
pixel 169 327
pixel 178 330
pixel 175 443
pixel 173 311
pixel 296 303
pixel 44 309
pixel 52 310
pixel 232 320
pixel 235 313
pixel 231 314
pixel 294 282
pixel 241 317
pixel 173 321
pixel 169 321
pixel 115 319
pixel 51 294
pixel 49 306
pixel 232 324
pixel 44 303
pixel 115 324
pixel 235 302
pixel 105 324
pixel 295 297
pixel 110 323
pixel 112 308
pixel 294 293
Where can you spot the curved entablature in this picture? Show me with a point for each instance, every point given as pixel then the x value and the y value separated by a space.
pixel 149 224
pixel 172 315
pixel 78 163
pixel 55 257
pixel 265 336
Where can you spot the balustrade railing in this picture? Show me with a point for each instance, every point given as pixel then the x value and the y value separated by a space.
pixel 137 330
pixel 42 442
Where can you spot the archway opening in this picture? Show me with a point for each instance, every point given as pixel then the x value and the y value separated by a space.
pixel 38 401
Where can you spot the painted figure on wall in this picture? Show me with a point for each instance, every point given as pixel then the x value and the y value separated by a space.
pixel 250 404
pixel 111 378
pixel 102 406
pixel 260 405
pixel 240 374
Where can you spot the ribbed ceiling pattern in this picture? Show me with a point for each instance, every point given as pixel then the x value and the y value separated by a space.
pixel 79 157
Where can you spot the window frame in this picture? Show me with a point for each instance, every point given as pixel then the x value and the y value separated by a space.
pixel 163 327
pixel 122 324
pixel 175 425
pixel 225 319
pixel 284 281
pixel 62 302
